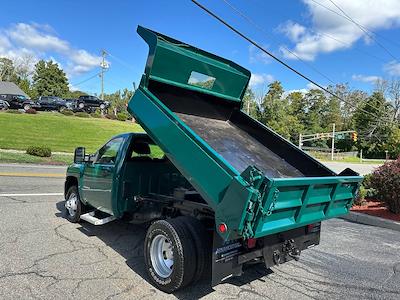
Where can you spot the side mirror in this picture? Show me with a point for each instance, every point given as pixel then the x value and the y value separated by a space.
pixel 79 155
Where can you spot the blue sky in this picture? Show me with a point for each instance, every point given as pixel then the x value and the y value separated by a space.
pixel 309 35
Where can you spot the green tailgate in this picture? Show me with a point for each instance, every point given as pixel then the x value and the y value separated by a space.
pixel 248 202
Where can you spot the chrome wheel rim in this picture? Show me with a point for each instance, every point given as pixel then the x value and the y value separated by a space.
pixel 162 256
pixel 72 204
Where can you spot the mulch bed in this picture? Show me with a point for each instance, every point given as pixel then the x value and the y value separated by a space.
pixel 377 209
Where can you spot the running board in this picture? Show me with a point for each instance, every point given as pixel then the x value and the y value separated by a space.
pixel 90 218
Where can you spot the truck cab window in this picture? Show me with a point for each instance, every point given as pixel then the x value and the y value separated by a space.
pixel 142 150
pixel 108 153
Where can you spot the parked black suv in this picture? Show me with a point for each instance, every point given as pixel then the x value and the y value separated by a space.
pixel 90 103
pixel 53 103
pixel 19 101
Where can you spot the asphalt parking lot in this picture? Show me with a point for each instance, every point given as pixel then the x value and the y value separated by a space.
pixel 43 256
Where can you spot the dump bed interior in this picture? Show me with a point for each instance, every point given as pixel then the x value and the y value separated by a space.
pixel 240 140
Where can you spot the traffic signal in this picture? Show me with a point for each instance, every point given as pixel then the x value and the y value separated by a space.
pixel 354 136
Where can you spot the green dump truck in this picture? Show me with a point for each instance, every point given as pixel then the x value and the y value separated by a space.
pixel 218 189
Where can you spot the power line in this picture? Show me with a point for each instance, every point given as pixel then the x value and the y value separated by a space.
pixel 363 30
pixel 248 19
pixel 122 62
pixel 370 33
pixel 342 42
pixel 86 80
pixel 278 59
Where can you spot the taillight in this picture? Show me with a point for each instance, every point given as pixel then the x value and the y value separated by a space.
pixel 251 243
pixel 222 228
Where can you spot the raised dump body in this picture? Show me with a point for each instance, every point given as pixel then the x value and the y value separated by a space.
pixel 257 182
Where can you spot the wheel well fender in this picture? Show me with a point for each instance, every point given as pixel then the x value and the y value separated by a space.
pixel 70 181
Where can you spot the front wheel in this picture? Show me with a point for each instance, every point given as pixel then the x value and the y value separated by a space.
pixel 27 107
pixel 73 205
pixel 170 255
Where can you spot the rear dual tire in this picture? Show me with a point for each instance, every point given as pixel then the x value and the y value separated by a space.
pixel 175 253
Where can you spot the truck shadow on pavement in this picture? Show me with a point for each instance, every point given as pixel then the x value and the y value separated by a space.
pixel 127 240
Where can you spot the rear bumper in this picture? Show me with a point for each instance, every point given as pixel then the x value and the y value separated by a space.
pixel 229 258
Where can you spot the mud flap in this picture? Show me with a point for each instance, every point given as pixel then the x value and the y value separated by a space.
pixel 225 259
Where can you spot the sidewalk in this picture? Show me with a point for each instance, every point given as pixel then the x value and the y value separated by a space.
pixel 371 220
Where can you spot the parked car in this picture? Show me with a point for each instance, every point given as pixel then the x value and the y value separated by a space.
pixel 71 103
pixel 19 102
pixel 90 103
pixel 4 105
pixel 53 103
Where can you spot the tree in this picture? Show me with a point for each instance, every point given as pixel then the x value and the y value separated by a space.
pixel 49 79
pixel 7 70
pixel 372 123
pixel 271 105
pixel 250 105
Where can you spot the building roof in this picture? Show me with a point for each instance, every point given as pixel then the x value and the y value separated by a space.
pixel 11 88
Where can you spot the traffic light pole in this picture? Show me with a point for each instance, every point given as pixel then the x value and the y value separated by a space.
pixel 333 142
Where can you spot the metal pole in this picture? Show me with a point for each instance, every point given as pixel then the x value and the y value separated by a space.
pixel 300 140
pixel 333 141
pixel 103 67
pixel 248 107
pixel 361 159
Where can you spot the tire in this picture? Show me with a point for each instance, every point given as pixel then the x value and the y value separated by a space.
pixel 74 213
pixel 180 249
pixel 81 105
pixel 203 244
pixel 102 106
pixel 62 108
pixel 27 106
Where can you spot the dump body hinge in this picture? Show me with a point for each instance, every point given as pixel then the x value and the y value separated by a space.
pixel 256 181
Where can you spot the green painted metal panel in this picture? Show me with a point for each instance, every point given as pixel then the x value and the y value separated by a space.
pixel 196 161
pixel 173 62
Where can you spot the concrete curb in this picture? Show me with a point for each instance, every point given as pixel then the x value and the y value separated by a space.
pixel 371 220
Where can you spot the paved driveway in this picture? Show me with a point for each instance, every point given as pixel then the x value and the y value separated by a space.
pixel 42 256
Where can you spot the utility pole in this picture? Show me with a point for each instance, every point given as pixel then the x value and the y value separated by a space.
pixel 300 141
pixel 103 66
pixel 333 141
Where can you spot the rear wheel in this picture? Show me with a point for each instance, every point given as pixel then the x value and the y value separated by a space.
pixel 27 106
pixel 73 205
pixel 170 255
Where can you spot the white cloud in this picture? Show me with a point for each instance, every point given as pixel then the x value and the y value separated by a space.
pixel 366 78
pixel 309 42
pixel 260 79
pixel 41 42
pixel 292 30
pixel 393 68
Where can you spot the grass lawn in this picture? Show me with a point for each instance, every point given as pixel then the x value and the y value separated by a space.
pixel 60 133
pixel 55 159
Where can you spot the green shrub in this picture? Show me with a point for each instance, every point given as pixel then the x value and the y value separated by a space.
pixel 96 114
pixel 14 111
pixel 31 111
pixel 82 114
pixel 385 180
pixel 41 151
pixel 67 112
pixel 360 200
pixel 122 116
pixel 111 116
